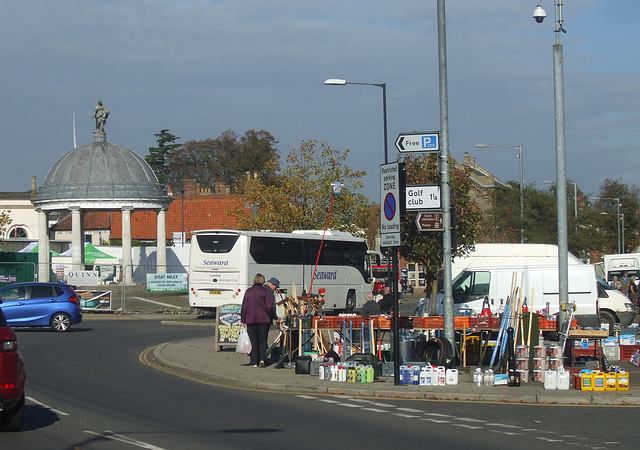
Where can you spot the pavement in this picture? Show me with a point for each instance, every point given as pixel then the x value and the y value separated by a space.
pixel 198 359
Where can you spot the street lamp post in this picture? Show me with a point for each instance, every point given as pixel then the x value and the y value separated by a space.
pixel 393 267
pixel 561 160
pixel 183 236
pixel 617 200
pixel 519 148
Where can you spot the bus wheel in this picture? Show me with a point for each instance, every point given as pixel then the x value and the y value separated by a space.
pixel 351 302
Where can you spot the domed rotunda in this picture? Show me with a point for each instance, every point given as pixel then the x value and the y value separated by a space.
pixel 100 176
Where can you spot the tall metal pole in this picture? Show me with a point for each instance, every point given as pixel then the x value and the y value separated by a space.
pixel 561 173
pixel 183 236
pixel 521 195
pixel 449 330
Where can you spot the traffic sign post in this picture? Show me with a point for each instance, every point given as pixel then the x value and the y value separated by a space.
pixel 430 221
pixel 418 142
pixel 391 184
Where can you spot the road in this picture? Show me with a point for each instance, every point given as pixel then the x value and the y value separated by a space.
pixel 88 389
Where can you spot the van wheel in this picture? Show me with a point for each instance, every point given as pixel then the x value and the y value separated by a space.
pixel 609 318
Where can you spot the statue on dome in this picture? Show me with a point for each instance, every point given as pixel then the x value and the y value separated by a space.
pixel 100 113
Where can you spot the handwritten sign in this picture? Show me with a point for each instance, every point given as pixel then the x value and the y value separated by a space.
pixel 228 325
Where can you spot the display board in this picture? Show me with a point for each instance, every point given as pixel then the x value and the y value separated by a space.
pixel 228 325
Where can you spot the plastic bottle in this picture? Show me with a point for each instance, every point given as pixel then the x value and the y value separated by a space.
pixel 321 372
pixel 403 373
pixel 478 377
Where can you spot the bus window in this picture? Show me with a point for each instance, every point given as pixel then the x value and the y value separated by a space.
pixel 218 243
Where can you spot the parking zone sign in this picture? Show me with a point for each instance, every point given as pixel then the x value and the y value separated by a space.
pixel 390 188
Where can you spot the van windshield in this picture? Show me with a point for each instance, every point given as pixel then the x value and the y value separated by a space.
pixel 470 286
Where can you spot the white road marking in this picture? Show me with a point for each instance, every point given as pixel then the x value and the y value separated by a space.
pixel 127 440
pixel 463 425
pixel 375 410
pixel 57 411
pixel 409 410
pixel 406 416
pixel 427 419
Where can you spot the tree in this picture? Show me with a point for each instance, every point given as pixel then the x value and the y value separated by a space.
pixel 5 220
pixel 157 157
pixel 226 159
pixel 426 247
pixel 300 197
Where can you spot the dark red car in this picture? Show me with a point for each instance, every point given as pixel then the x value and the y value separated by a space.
pixel 12 379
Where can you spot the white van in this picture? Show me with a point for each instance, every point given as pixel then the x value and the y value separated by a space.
pixel 498 255
pixel 621 263
pixel 473 284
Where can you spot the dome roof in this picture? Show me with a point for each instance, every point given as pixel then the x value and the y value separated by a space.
pixel 99 174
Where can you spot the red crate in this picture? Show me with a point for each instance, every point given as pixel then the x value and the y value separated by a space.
pixel 627 350
pixel 461 322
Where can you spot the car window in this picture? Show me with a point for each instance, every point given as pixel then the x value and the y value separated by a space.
pixel 41 292
pixel 14 293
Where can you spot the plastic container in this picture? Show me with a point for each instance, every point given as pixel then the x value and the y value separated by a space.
pixel 550 379
pixel 403 374
pixel 452 376
pixel 442 375
pixel 478 377
pixel 563 379
pixel 524 376
pixel 555 363
pixel 541 363
pixel 555 351
pixel 522 363
pixel 586 380
pixel 538 375
pixel 370 374
pixel 622 383
pixel 415 375
pixel 610 381
pixel 598 381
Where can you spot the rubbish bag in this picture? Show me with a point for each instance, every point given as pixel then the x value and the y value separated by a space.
pixel 244 343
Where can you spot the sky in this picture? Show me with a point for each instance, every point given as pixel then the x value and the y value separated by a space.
pixel 202 67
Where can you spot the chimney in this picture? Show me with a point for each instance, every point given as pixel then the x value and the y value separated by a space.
pixel 33 186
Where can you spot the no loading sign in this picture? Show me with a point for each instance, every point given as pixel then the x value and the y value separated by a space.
pixel 390 206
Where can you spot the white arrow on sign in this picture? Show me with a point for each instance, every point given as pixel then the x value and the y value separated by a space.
pixel 418 142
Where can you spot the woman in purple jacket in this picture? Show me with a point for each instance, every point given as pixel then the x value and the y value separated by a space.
pixel 256 316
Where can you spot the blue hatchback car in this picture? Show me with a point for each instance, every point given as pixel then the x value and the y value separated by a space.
pixel 52 305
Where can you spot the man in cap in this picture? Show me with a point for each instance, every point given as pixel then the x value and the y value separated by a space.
pixel 273 284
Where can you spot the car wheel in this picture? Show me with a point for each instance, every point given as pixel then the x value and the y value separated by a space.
pixel 609 318
pixel 60 322
pixel 12 420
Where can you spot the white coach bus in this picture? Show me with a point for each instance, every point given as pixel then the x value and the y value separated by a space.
pixel 222 264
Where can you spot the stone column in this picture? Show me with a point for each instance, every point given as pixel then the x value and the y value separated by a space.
pixel 77 243
pixel 43 246
pixel 126 245
pixel 161 243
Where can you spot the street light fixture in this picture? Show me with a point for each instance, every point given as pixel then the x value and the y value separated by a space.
pixel 339 82
pixel 617 200
pixel 519 148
